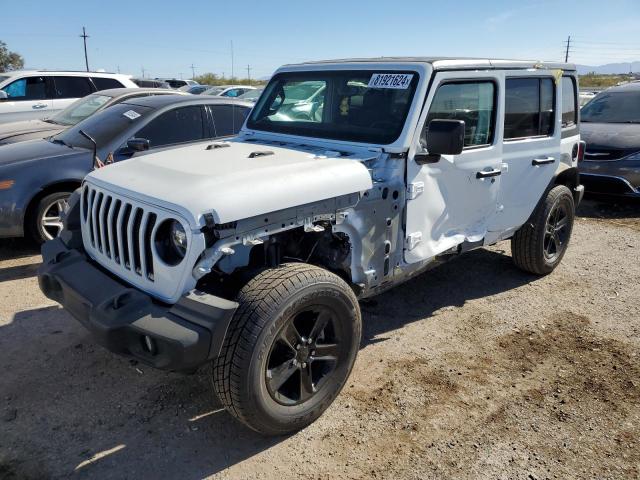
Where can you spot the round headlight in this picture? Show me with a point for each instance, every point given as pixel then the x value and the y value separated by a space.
pixel 178 238
pixel 171 242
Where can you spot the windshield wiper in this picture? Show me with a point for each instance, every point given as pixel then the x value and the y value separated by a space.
pixel 61 142
pixel 50 120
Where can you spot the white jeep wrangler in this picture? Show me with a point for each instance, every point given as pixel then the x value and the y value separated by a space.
pixel 348 178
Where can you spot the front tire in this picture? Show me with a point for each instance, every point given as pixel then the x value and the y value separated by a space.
pixel 539 245
pixel 289 349
pixel 46 222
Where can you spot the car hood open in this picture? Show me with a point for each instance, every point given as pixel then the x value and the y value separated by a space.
pixel 240 180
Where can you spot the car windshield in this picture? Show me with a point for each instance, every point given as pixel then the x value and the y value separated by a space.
pixel 79 110
pixel 103 126
pixel 613 107
pixel 214 91
pixel 251 95
pixel 358 106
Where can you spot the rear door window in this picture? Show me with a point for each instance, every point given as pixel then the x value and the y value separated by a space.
pixel 106 83
pixel 529 107
pixel 72 87
pixel 180 125
pixel 569 103
pixel 228 119
pixel 29 88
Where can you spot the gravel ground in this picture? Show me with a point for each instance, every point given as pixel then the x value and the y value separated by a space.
pixel 473 370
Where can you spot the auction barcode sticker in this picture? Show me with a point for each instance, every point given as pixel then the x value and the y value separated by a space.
pixel 131 114
pixel 390 80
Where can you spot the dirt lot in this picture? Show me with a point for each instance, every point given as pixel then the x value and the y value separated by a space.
pixel 473 370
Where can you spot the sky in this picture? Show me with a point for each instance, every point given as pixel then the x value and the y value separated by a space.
pixel 167 37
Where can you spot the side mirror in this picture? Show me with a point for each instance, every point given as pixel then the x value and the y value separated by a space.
pixel 138 144
pixel 3 95
pixel 445 137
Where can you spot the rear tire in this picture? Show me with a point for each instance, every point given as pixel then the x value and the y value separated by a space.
pixel 539 245
pixel 46 221
pixel 289 349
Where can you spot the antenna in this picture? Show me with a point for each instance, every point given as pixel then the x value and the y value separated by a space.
pixel 84 37
pixel 566 54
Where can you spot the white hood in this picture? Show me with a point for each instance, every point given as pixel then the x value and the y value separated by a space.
pixel 230 184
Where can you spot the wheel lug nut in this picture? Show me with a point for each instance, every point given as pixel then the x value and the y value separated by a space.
pixel 304 365
pixel 298 347
pixel 295 362
pixel 313 352
pixel 309 341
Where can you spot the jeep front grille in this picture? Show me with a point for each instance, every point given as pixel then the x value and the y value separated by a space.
pixel 119 230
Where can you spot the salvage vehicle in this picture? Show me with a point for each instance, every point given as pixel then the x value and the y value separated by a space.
pixel 37 176
pixel 252 254
pixel 611 130
pixel 36 94
pixel 76 112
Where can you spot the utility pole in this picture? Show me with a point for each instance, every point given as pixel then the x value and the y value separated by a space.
pixel 143 70
pixel 566 54
pixel 193 71
pixel 232 59
pixel 118 68
pixel 84 37
pixel 249 74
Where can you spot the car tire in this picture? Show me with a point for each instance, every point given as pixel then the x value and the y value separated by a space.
pixel 539 245
pixel 277 379
pixel 48 207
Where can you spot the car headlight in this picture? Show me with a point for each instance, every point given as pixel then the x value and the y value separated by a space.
pixel 171 242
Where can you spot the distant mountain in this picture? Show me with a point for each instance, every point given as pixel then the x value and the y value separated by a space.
pixel 610 68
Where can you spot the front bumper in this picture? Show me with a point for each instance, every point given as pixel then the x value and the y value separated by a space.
pixel 129 322
pixel 609 185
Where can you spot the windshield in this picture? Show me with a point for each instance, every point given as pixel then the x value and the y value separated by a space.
pixel 214 91
pixel 358 106
pixel 613 107
pixel 103 126
pixel 251 95
pixel 80 110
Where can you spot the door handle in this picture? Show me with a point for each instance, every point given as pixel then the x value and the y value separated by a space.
pixel 488 173
pixel 542 161
pixel 38 106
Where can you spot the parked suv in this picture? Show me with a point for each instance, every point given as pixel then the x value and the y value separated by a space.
pixel 253 253
pixel 27 94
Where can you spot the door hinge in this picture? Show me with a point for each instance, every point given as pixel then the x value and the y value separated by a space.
pixel 413 239
pixel 414 190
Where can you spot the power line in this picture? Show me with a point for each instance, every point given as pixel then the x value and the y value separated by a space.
pixel 84 37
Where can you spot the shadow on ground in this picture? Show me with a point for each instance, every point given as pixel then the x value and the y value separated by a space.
pixel 74 409
pixel 14 248
pixel 609 207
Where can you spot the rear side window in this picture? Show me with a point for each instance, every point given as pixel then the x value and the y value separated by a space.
pixel 569 104
pixel 228 119
pixel 472 102
pixel 72 87
pixel 179 125
pixel 529 107
pixel 30 88
pixel 106 83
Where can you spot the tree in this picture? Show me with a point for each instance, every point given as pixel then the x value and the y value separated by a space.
pixel 9 60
